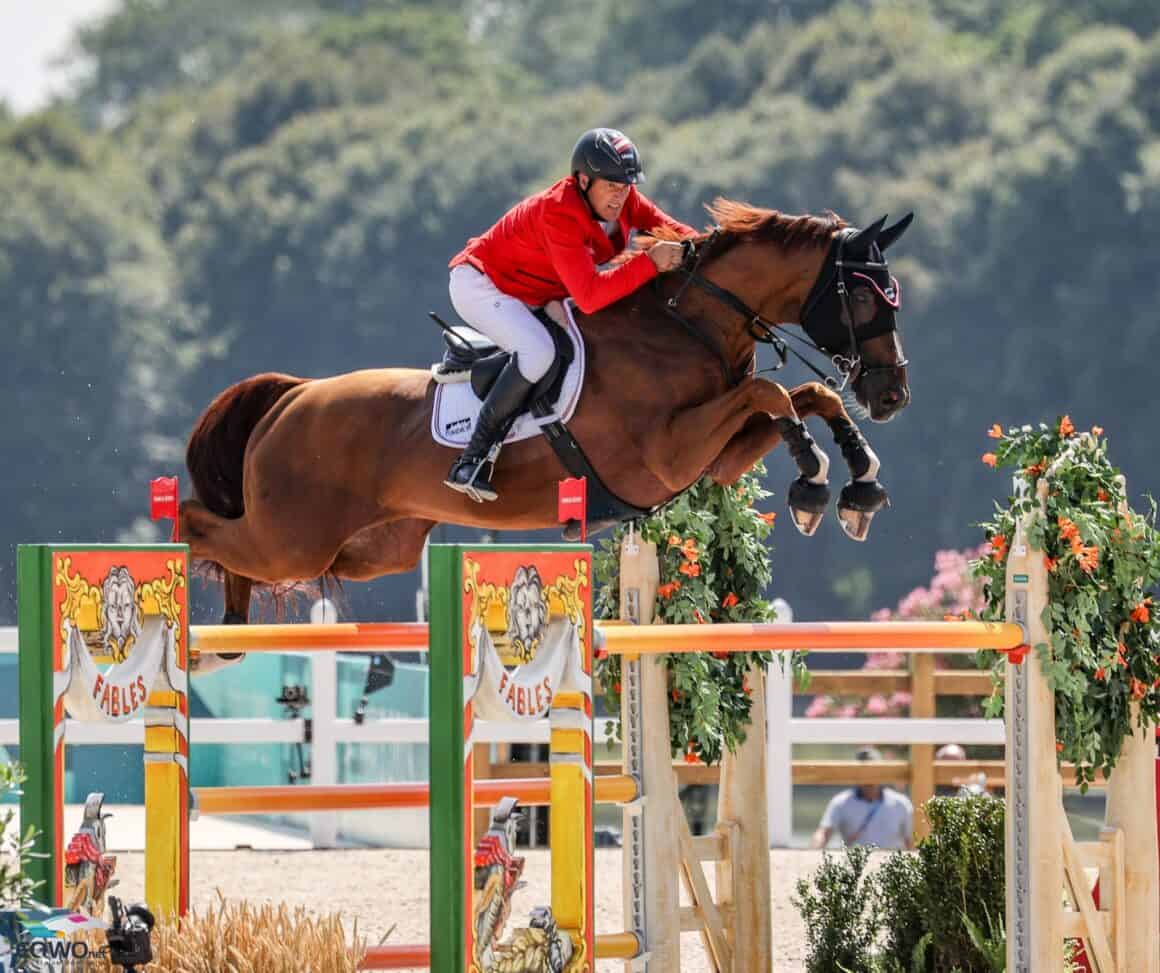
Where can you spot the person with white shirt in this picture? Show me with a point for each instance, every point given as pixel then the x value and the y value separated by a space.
pixel 870 814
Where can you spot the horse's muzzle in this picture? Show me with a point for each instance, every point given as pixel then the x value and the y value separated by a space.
pixel 889 403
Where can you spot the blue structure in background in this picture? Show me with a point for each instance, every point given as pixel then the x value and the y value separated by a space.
pixel 249 690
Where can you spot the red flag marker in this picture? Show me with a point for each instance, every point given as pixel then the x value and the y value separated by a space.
pixel 572 503
pixel 163 501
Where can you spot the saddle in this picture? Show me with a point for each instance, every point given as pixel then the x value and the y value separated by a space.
pixel 469 356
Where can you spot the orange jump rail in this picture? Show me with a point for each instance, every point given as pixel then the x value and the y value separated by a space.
pixel 814 636
pixel 531 791
pixel 633 639
pixel 305 638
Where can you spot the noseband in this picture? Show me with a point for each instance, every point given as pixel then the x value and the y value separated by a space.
pixel 849 368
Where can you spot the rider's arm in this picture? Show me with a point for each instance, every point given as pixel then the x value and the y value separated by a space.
pixel 590 288
pixel 646 215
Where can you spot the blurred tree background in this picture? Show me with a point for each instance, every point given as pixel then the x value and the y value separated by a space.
pixel 278 185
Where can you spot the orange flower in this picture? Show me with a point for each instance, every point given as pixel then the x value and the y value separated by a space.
pixel 720 655
pixel 1035 469
pixel 996 431
pixel 745 687
pixel 675 696
pixel 1139 689
pixel 1097 430
pixel 1101 674
pixel 990 459
pixel 998 547
pixel 1089 558
pixel 689 549
pixel 1058 747
pixel 1067 529
pixel 1050 562
pixel 1102 495
pixel 730 600
pixel 698 616
pixel 1066 427
pixel 1140 613
pixel 616 688
pixel 690 757
pixel 666 591
pixel 690 569
pixel 1121 655
pixel 768 518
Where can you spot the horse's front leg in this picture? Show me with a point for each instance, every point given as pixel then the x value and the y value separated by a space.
pixel 863 496
pixel 699 438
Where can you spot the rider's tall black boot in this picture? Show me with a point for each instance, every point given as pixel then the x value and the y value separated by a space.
pixel 470 474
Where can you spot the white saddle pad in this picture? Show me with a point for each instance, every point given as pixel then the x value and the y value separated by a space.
pixel 457 406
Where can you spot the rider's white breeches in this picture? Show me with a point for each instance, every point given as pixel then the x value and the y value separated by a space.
pixel 504 319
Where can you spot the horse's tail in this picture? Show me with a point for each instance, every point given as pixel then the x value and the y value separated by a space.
pixel 217 446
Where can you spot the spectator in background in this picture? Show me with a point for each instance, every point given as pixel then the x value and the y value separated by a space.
pixel 871 814
pixel 963 786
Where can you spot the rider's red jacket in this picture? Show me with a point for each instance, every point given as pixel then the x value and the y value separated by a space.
pixel 548 247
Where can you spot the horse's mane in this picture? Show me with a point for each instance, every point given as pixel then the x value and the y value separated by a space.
pixel 740 221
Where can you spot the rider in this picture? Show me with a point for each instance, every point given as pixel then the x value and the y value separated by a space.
pixel 546 248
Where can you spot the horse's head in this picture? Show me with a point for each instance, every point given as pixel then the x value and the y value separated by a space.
pixel 766 268
pixel 850 314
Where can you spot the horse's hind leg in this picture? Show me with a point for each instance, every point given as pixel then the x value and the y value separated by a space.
pixel 390 548
pixel 281 547
pixel 237 612
pixel 237 599
pixel 863 496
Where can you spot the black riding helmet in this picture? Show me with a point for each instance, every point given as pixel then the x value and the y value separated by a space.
pixel 605 153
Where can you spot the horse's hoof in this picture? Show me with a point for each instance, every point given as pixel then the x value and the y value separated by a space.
pixel 857 505
pixel 807 504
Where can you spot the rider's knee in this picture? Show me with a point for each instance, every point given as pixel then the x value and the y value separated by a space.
pixel 536 354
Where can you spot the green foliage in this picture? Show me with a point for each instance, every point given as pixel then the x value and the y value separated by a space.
pixel 714 567
pixel 16 889
pixel 937 910
pixel 1102 561
pixel 841 914
pixel 97 336
pixel 947 900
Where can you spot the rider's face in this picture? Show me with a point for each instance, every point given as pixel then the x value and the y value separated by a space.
pixel 607 198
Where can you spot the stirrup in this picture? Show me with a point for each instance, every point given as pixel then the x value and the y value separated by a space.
pixel 488 493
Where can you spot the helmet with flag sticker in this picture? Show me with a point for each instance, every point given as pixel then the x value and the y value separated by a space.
pixel 605 153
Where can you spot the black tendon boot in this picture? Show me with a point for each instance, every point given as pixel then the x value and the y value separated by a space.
pixel 503 403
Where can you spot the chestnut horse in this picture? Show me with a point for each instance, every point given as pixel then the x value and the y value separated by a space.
pixel 299 478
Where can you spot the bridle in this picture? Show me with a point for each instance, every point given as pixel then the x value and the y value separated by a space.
pixel 849 368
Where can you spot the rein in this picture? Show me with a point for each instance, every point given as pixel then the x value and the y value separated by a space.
pixel 766 332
